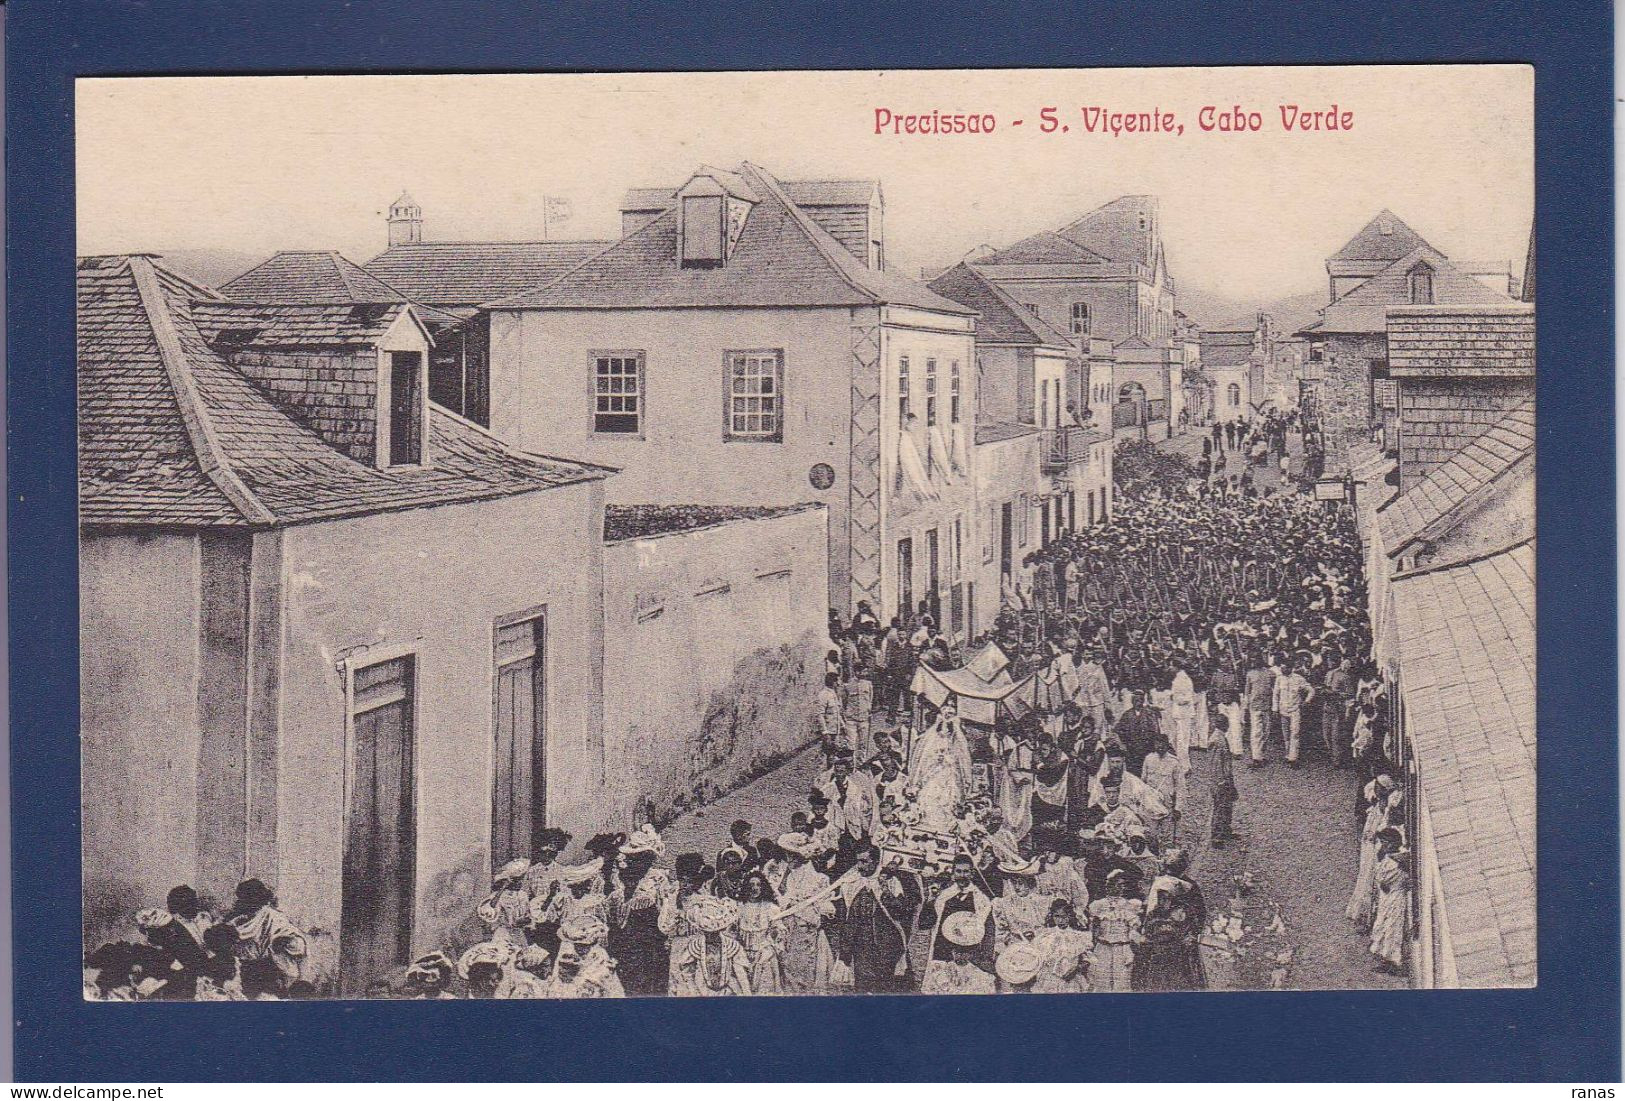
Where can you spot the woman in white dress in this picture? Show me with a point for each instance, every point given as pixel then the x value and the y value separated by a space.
pixel 941 768
pixel 1363 901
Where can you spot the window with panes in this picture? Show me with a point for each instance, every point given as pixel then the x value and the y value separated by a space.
pixel 755 395
pixel 617 393
pixel 930 393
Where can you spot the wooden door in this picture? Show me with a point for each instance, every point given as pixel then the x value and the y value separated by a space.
pixel 405 408
pixel 905 579
pixel 380 841
pixel 933 576
pixel 519 779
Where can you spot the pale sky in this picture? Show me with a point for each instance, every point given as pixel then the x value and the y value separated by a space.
pixel 261 163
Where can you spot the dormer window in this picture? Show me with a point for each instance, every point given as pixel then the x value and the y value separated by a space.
pixel 704 232
pixel 1421 285
pixel 406 409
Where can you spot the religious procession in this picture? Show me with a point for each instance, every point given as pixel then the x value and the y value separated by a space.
pixel 1007 816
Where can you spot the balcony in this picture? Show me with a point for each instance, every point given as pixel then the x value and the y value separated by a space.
pixel 1060 448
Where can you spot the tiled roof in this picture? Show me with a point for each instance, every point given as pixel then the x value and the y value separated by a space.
pixel 257 325
pixel 649 521
pixel 1000 319
pixel 813 193
pixel 466 273
pixel 322 278
pixel 1372 244
pixel 1452 341
pixel 1427 507
pixel 1365 308
pixel 1224 348
pixel 1042 248
pixel 310 277
pixel 171 434
pixel 1115 232
pixel 1467 673
pixel 782 258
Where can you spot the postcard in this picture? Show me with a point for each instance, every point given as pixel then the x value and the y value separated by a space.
pixel 759 534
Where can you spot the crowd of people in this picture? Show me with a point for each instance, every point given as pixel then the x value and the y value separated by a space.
pixel 1047 850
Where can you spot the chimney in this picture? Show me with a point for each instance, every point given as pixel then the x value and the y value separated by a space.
pixel 405 222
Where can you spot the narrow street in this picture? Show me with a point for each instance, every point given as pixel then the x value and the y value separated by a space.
pixel 1287 876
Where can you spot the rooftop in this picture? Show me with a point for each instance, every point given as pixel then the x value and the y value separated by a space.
pixel 781 258
pixel 1478 341
pixel 1430 507
pixel 1365 308
pixel 804 193
pixel 171 434
pixel 622 522
pixel 1000 319
pixel 1384 237
pixel 1467 667
pixel 320 279
pixel 466 273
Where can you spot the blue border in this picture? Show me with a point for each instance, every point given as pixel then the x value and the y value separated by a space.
pixel 1567 1029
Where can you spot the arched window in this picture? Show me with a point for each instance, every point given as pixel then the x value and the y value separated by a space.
pixel 1233 394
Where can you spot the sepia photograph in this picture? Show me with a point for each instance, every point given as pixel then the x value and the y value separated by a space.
pixel 790 533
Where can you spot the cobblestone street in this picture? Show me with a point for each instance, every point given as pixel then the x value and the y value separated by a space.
pixel 1296 837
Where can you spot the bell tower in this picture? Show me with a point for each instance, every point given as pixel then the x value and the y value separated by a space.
pixel 405 222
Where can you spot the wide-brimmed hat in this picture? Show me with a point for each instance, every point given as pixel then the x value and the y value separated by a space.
pixel 710 914
pixel 531 957
pixel 435 967
pixel 1018 963
pixel 581 873
pixel 644 839
pixel 1019 867
pixel 964 928
pixel 513 869
pixel 486 951
pixel 152 918
pixel 583 929
pixel 798 843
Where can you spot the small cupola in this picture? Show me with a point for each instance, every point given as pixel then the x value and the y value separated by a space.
pixel 405 221
pixel 712 208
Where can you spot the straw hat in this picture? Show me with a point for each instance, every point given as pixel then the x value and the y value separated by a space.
pixel 513 869
pixel 583 929
pixel 1019 867
pixel 644 840
pixel 964 928
pixel 1018 963
pixel 794 842
pixel 487 951
pixel 580 873
pixel 710 914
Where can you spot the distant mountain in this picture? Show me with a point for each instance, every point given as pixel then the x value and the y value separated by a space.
pixel 1214 311
pixel 210 266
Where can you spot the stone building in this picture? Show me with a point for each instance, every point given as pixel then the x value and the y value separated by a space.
pixel 1451 561
pixel 1386 264
pixel 1105 276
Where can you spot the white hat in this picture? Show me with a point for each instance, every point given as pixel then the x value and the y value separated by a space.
pixel 580 873
pixel 710 914
pixel 513 869
pixel 583 929
pixel 797 843
pixel 486 951
pixel 644 840
pixel 964 928
pixel 1018 963
pixel 1019 867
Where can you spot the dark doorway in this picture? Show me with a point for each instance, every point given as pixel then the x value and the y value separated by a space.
pixel 380 839
pixel 519 782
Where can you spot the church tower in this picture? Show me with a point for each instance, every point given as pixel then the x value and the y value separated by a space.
pixel 405 222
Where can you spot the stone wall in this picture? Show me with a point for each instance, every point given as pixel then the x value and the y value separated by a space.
pixel 713 646
pixel 1345 395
